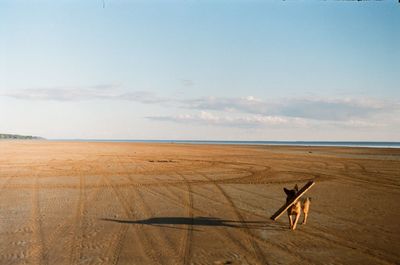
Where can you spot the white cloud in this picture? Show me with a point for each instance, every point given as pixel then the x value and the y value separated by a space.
pixel 247 111
pixel 105 91
pixel 187 82
pixel 308 108
pixel 64 93
pixel 230 120
pixel 322 113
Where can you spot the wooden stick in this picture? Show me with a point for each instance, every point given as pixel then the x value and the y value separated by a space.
pixel 301 192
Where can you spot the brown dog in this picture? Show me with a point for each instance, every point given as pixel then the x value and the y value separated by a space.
pixel 295 209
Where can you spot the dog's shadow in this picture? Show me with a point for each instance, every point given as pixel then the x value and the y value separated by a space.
pixel 200 221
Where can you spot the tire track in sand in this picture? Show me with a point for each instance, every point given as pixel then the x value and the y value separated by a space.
pixel 166 245
pixel 78 235
pixel 185 250
pixel 223 235
pixel 259 239
pixel 233 240
pixel 246 230
pixel 179 256
pixel 116 246
pixel 77 238
pixel 178 202
pixel 37 247
pixel 144 244
pixel 63 227
pixel 329 237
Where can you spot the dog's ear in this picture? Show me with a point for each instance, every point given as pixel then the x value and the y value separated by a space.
pixel 296 188
pixel 286 191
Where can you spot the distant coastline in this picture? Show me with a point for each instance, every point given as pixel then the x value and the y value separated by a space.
pixel 4 136
pixel 286 143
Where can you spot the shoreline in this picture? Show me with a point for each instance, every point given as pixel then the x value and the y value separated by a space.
pixel 356 144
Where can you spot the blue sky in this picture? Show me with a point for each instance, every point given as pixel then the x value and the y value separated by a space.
pixel 228 70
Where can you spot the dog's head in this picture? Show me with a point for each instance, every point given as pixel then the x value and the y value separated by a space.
pixel 291 193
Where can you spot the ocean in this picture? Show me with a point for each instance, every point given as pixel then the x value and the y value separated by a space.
pixel 288 143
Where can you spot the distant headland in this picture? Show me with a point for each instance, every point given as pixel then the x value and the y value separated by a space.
pixel 19 137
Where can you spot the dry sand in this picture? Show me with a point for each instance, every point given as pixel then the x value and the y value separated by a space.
pixel 132 203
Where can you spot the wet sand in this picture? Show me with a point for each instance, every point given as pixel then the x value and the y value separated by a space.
pixel 136 203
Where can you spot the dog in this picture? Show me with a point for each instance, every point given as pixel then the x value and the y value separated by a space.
pixel 297 207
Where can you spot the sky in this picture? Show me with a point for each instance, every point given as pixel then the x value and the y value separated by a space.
pixel 201 70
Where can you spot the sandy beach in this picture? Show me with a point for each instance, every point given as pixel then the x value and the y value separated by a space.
pixel 143 203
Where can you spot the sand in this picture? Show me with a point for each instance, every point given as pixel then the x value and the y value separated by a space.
pixel 136 203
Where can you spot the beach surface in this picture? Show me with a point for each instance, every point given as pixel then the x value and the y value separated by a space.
pixel 144 203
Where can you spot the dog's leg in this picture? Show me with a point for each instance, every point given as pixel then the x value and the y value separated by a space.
pixel 306 208
pixel 296 220
pixel 290 221
pixel 305 218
